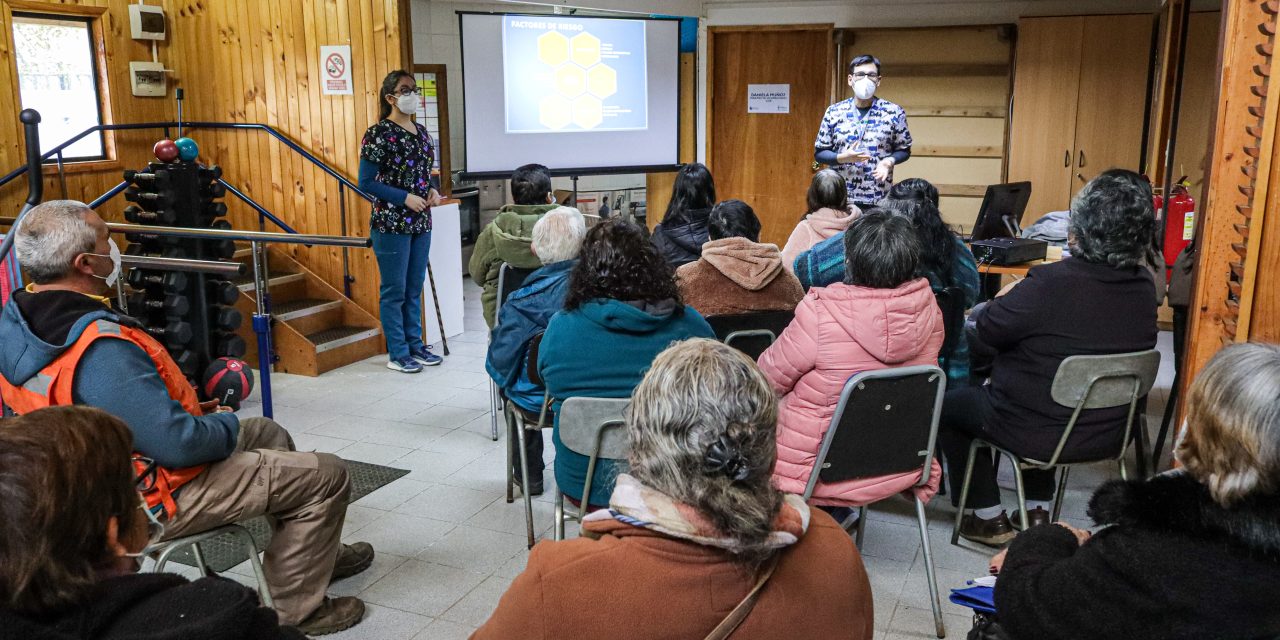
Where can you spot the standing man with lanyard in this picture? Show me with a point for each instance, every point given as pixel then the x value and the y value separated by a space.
pixel 864 137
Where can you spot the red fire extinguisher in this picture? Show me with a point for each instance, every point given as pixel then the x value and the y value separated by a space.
pixel 1180 225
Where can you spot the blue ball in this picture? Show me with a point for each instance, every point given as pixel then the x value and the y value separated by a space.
pixel 188 150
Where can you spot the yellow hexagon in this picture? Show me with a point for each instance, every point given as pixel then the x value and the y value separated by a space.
pixel 553 48
pixel 570 81
pixel 585 49
pixel 554 112
pixel 602 81
pixel 587 112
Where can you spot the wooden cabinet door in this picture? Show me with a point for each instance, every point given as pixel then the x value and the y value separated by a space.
pixel 1045 92
pixel 1114 66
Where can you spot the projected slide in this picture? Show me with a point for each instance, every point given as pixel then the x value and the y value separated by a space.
pixel 566 74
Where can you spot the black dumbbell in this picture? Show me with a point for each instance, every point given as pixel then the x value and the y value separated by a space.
pixel 157 178
pixel 209 174
pixel 169 280
pixel 175 333
pixel 215 210
pixel 213 190
pixel 137 215
pixel 226 318
pixel 229 345
pixel 174 305
pixel 186 361
pixel 149 199
pixel 222 292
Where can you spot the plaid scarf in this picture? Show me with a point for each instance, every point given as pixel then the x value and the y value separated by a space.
pixel 637 505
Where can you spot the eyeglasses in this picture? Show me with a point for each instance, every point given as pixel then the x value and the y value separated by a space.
pixel 862 74
pixel 145 481
pixel 146 478
pixel 409 91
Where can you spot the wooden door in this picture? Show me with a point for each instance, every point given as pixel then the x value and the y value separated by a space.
pixel 766 160
pixel 1045 92
pixel 1114 65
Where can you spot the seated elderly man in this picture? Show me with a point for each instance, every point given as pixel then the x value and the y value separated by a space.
pixel 64 344
pixel 557 239
pixel 507 238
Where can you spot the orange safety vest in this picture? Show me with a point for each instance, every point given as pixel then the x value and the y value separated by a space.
pixel 52 387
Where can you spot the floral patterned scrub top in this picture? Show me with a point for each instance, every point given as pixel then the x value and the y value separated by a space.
pixel 880 132
pixel 404 162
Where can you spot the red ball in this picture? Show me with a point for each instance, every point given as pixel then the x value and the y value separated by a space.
pixel 165 150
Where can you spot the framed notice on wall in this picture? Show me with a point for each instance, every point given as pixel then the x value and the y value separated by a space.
pixel 335 70
pixel 433 114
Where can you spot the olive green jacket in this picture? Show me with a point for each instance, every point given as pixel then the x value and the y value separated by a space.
pixel 506 239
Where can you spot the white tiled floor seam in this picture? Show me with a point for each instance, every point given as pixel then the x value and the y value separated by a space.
pixel 448 542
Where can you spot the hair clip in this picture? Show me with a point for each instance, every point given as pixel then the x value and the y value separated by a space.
pixel 724 458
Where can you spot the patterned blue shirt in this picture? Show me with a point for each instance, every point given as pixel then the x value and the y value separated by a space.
pixel 879 133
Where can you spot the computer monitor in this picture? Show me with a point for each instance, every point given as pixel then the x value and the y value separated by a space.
pixel 1001 213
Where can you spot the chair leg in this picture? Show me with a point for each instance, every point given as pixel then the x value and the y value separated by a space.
pixel 524 477
pixel 1140 451
pixel 862 527
pixel 1022 495
pixel 163 558
pixel 964 491
pixel 939 627
pixel 1124 469
pixel 200 563
pixel 558 529
pixel 1061 492
pixel 264 589
pixel 510 421
pixel 493 409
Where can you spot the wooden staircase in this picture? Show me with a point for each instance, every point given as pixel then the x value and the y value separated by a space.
pixel 314 327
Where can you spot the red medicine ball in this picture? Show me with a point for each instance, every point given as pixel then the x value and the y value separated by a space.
pixel 229 381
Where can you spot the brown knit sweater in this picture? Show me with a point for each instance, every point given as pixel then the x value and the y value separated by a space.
pixel 735 275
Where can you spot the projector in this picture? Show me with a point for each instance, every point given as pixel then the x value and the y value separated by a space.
pixel 1007 251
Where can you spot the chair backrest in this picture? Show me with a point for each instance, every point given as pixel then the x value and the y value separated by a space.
pixel 750 333
pixel 509 279
pixel 951 302
pixel 886 422
pixel 595 426
pixel 535 344
pixel 1103 382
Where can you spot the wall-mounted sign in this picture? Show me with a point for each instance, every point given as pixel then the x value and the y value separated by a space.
pixel 335 70
pixel 768 98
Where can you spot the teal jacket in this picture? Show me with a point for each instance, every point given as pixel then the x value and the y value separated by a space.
pixel 602 350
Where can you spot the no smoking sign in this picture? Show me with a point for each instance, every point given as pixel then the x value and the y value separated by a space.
pixel 336 61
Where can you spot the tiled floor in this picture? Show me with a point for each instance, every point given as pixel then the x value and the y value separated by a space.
pixel 448 544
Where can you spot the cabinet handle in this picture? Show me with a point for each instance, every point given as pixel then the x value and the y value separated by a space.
pixel 1082 157
pixel 1066 158
pixel 1081 176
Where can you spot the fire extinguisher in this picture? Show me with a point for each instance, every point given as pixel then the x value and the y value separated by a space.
pixel 1180 224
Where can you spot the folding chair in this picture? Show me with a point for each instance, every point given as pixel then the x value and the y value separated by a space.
pixel 1082 382
pixel 163 550
pixel 750 333
pixel 593 427
pixel 509 279
pixel 518 420
pixel 886 423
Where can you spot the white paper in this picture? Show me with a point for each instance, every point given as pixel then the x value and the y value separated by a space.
pixel 768 98
pixel 335 70
pixel 446 266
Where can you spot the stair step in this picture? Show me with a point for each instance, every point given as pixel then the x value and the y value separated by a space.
pixel 340 337
pixel 293 309
pixel 246 283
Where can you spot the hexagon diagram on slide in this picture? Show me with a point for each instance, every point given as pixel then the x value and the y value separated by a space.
pixel 553 48
pixel 554 112
pixel 588 112
pixel 571 80
pixel 602 81
pixel 584 49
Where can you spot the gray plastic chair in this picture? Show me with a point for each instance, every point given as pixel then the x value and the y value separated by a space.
pixel 1082 382
pixel 509 279
pixel 593 427
pixel 162 551
pixel 886 423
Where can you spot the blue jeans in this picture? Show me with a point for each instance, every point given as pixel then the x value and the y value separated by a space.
pixel 402 261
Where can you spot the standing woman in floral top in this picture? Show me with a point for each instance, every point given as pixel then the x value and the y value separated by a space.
pixel 396 157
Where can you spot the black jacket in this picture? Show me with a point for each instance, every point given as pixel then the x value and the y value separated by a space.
pixel 156 606
pixel 679 238
pixel 1173 564
pixel 1061 309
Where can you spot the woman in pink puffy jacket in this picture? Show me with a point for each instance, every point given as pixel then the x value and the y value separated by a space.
pixel 882 316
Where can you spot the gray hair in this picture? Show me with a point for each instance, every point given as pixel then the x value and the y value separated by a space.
pixel 50 237
pixel 1231 441
pixel 1112 220
pixel 702 395
pixel 557 235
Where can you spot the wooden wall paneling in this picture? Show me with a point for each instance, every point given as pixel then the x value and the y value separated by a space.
pixel 1169 44
pixel 1113 86
pixel 1045 94
pixel 1227 209
pixel 1266 194
pixel 765 159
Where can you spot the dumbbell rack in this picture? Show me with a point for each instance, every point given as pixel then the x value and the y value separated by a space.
pixel 190 313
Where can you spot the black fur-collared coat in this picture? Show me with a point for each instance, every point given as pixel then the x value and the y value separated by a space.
pixel 1171 564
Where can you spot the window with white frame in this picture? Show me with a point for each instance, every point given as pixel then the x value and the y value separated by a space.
pixel 58 76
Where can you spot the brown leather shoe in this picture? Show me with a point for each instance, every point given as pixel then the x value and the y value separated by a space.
pixel 333 615
pixel 1035 518
pixel 352 559
pixel 995 532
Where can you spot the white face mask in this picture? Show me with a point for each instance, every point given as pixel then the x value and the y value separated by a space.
pixel 864 88
pixel 115 263
pixel 407 105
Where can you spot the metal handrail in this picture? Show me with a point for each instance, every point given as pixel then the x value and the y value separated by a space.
pixel 215 267
pixel 240 236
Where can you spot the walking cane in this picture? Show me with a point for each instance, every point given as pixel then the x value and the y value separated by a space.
pixel 431 277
